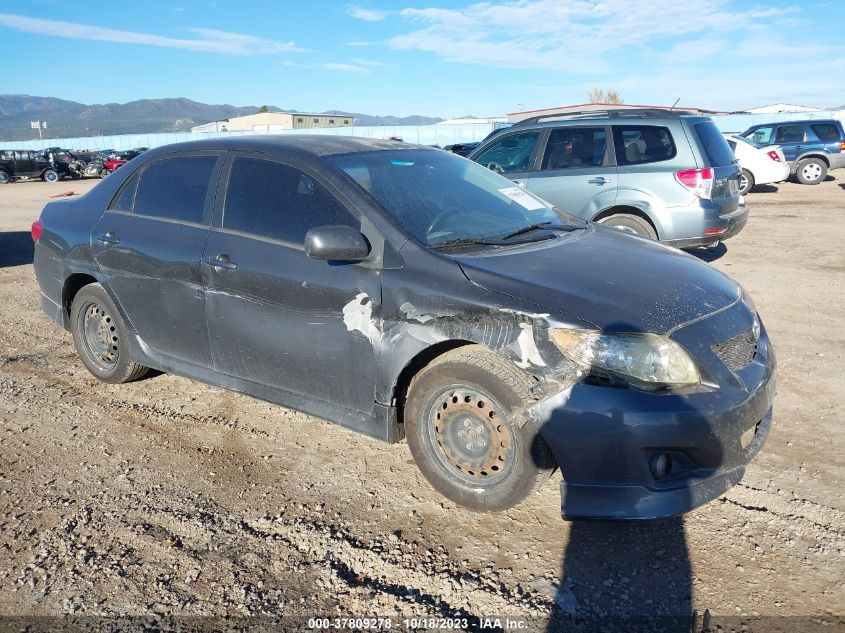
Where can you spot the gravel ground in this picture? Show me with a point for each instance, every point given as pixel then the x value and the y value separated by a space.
pixel 169 498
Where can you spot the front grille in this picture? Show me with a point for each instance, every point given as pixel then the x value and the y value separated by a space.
pixel 738 351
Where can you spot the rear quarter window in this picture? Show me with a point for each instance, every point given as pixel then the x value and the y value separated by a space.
pixel 826 131
pixel 716 148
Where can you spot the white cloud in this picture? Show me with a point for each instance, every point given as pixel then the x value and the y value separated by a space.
pixel 341 66
pixel 369 15
pixel 368 62
pixel 574 36
pixel 209 40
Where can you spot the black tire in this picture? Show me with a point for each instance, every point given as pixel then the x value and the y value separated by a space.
pixel 630 224
pixel 100 337
pixel 470 395
pixel 746 182
pixel 50 175
pixel 5 177
pixel 104 172
pixel 811 171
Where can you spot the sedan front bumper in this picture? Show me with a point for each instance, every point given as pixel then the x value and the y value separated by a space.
pixel 629 454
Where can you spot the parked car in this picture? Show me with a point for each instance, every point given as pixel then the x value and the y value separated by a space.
pixel 662 174
pixel 404 291
pixel 812 148
pixel 760 165
pixel 119 159
pixel 22 164
pixel 462 149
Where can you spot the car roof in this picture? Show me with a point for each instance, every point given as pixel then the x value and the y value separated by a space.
pixel 801 122
pixel 313 144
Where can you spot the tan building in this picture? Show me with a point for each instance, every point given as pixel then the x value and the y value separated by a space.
pixel 274 121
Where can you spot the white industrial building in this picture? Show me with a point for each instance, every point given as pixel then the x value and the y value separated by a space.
pixel 275 122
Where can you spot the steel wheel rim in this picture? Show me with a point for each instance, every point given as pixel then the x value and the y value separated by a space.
pixel 468 434
pixel 99 336
pixel 52 176
pixel 4 178
pixel 813 171
pixel 743 182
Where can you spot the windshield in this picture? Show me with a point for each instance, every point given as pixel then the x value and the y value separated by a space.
pixel 441 198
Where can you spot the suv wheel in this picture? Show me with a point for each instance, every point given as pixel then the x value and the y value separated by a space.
pixel 462 429
pixel 5 177
pixel 811 171
pixel 50 175
pixel 100 337
pixel 630 224
pixel 746 182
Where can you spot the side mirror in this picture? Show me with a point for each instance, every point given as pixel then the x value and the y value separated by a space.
pixel 341 243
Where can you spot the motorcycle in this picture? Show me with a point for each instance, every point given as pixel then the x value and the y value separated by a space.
pixel 92 168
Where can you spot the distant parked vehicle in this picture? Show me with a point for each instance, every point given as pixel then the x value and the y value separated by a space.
pixel 812 148
pixel 667 175
pixel 88 167
pixel 462 149
pixel 760 165
pixel 22 164
pixel 119 159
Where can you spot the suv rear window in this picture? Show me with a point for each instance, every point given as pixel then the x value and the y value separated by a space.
pixel 638 144
pixel 826 131
pixel 715 146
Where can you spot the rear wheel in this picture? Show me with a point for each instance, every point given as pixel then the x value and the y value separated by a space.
pixel 462 429
pixel 746 182
pixel 811 171
pixel 100 337
pixel 630 224
pixel 5 177
pixel 50 175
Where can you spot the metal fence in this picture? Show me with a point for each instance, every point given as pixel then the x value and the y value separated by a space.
pixel 420 134
pixel 436 134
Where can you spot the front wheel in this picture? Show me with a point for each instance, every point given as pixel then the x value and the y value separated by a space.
pixel 630 224
pixel 50 175
pixel 811 171
pixel 100 337
pixel 462 429
pixel 104 172
pixel 746 182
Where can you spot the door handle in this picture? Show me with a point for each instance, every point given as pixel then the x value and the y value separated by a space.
pixel 110 237
pixel 221 261
pixel 521 183
pixel 599 180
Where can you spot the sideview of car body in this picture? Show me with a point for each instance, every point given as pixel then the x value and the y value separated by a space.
pixel 405 292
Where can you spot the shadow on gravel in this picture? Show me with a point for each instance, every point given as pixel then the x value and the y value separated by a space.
pixel 16 249
pixel 709 254
pixel 764 189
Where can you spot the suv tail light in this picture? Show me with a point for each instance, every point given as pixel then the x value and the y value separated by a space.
pixel 842 147
pixel 37 227
pixel 698 181
pixel 774 155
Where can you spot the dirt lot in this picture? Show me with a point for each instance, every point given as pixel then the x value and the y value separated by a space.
pixel 169 497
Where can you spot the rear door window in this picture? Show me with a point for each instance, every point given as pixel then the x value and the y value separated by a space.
pixel 719 153
pixel 274 200
pixel 826 132
pixel 124 200
pixel 790 134
pixel 573 147
pixel 638 144
pixel 175 188
pixel 510 154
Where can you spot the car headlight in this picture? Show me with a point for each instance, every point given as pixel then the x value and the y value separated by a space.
pixel 646 361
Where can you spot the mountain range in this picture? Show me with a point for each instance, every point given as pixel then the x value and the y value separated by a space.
pixel 71 119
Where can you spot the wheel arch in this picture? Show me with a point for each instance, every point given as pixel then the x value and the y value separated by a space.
pixel 73 284
pixel 629 210
pixel 419 361
pixel 818 155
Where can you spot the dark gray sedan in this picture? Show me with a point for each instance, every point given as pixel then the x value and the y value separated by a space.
pixel 406 292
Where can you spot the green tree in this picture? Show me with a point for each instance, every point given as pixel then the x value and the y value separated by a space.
pixel 264 109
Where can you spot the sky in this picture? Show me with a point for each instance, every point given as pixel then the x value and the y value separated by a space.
pixel 432 57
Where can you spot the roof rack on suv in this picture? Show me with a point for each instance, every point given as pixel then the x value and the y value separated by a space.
pixel 612 113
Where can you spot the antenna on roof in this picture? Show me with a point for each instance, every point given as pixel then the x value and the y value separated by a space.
pixel 674 104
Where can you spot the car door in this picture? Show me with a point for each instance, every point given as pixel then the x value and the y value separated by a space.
pixel 576 173
pixel 792 139
pixel 275 316
pixel 149 246
pixel 24 165
pixel 512 155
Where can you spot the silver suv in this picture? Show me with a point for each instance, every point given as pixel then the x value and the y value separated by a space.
pixel 664 174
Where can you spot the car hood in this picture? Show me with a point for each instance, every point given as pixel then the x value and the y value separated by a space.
pixel 617 282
